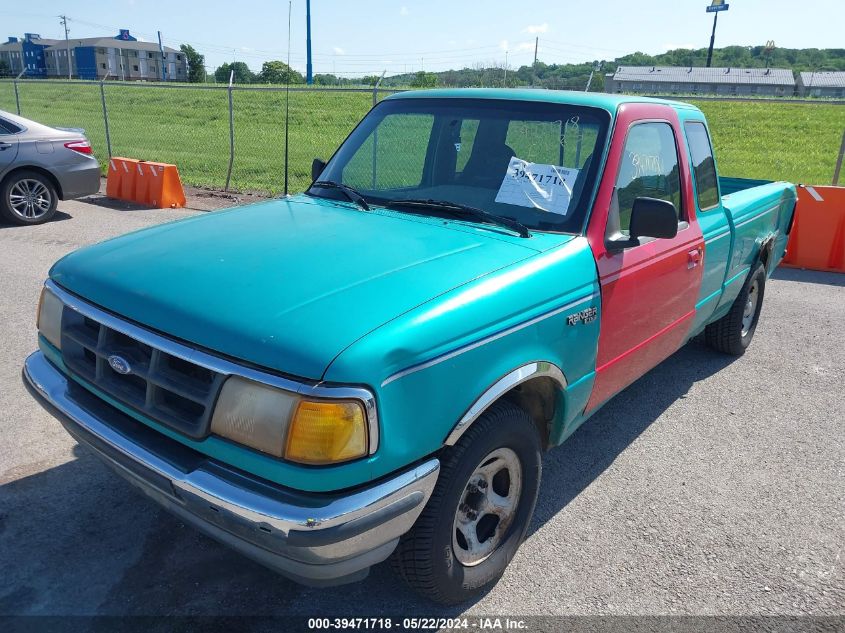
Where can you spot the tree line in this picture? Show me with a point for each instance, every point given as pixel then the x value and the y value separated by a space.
pixel 576 76
pixel 555 76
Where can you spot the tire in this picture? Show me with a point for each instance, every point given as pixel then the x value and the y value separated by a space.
pixel 732 333
pixel 435 558
pixel 28 197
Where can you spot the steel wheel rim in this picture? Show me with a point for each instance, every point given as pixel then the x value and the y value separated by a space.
pixel 487 507
pixel 750 307
pixel 30 199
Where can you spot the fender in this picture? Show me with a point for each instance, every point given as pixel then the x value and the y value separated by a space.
pixel 536 369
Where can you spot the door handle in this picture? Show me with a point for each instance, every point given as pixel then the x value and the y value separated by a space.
pixel 5 146
pixel 694 258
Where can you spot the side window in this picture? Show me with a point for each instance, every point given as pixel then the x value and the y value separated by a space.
pixel 649 167
pixel 469 128
pixel 7 127
pixel 397 152
pixel 536 141
pixel 704 168
pixel 564 143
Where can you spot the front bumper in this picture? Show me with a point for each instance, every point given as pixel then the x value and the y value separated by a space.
pixel 314 538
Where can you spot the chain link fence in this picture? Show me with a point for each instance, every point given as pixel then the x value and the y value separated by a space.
pixel 222 137
pixel 218 136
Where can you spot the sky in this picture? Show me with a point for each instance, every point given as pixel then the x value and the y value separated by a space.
pixel 359 37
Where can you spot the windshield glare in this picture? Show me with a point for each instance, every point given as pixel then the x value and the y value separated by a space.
pixel 529 161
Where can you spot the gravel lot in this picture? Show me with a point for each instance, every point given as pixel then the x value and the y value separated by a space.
pixel 711 486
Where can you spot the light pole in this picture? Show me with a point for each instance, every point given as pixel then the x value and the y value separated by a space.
pixel 309 77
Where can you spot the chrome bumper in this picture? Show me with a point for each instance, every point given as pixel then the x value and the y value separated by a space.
pixel 315 538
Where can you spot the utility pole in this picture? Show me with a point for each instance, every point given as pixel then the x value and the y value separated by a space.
pixel 534 65
pixel 67 43
pixel 163 59
pixel 505 80
pixel 596 68
pixel 309 76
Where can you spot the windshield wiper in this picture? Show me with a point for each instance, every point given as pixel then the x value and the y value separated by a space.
pixel 462 211
pixel 349 192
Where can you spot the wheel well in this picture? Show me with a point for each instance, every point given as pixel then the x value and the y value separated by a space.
pixel 766 252
pixel 538 397
pixel 39 170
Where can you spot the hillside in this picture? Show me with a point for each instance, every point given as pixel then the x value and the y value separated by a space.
pixel 574 76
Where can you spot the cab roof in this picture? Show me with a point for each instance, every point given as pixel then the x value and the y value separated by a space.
pixel 605 101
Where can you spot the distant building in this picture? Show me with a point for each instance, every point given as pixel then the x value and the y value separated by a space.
pixel 120 57
pixel 663 80
pixel 26 54
pixel 822 84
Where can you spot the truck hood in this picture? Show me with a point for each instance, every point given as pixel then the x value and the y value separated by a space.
pixel 286 284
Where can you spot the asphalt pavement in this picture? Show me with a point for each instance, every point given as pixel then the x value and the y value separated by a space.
pixel 713 485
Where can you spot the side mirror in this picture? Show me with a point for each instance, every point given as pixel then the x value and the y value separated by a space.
pixel 652 217
pixel 317 167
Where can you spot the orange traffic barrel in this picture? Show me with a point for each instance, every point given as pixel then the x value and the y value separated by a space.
pixel 817 239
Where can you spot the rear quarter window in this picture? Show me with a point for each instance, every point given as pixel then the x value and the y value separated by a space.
pixel 703 165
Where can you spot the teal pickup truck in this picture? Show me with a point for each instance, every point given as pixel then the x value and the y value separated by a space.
pixel 373 368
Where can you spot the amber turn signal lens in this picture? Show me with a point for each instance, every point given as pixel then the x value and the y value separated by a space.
pixel 327 432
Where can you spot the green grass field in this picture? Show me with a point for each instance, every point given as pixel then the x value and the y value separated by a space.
pixel 189 126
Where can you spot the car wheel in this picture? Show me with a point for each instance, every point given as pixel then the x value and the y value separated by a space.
pixel 732 333
pixel 479 511
pixel 28 197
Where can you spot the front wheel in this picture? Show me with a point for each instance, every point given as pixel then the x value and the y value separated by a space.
pixel 732 333
pixel 479 511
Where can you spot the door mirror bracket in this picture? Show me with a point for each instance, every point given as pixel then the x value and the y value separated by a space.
pixel 650 218
pixel 620 241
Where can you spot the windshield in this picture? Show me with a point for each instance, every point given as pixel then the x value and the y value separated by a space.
pixel 528 161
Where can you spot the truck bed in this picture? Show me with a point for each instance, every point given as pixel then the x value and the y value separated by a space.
pixel 758 209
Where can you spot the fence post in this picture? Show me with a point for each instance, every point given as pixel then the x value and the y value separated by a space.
pixel 375 132
pixel 231 132
pixel 375 88
pixel 17 98
pixel 839 160
pixel 105 112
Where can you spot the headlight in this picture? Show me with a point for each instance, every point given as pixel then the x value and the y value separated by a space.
pixel 49 320
pixel 253 414
pixel 284 424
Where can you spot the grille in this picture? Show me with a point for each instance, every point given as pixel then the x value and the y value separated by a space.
pixel 168 389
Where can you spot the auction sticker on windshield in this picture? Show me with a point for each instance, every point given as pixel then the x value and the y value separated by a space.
pixel 539 186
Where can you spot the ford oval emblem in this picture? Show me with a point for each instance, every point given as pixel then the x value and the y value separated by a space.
pixel 119 364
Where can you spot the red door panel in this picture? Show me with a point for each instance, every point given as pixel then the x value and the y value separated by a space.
pixel 648 291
